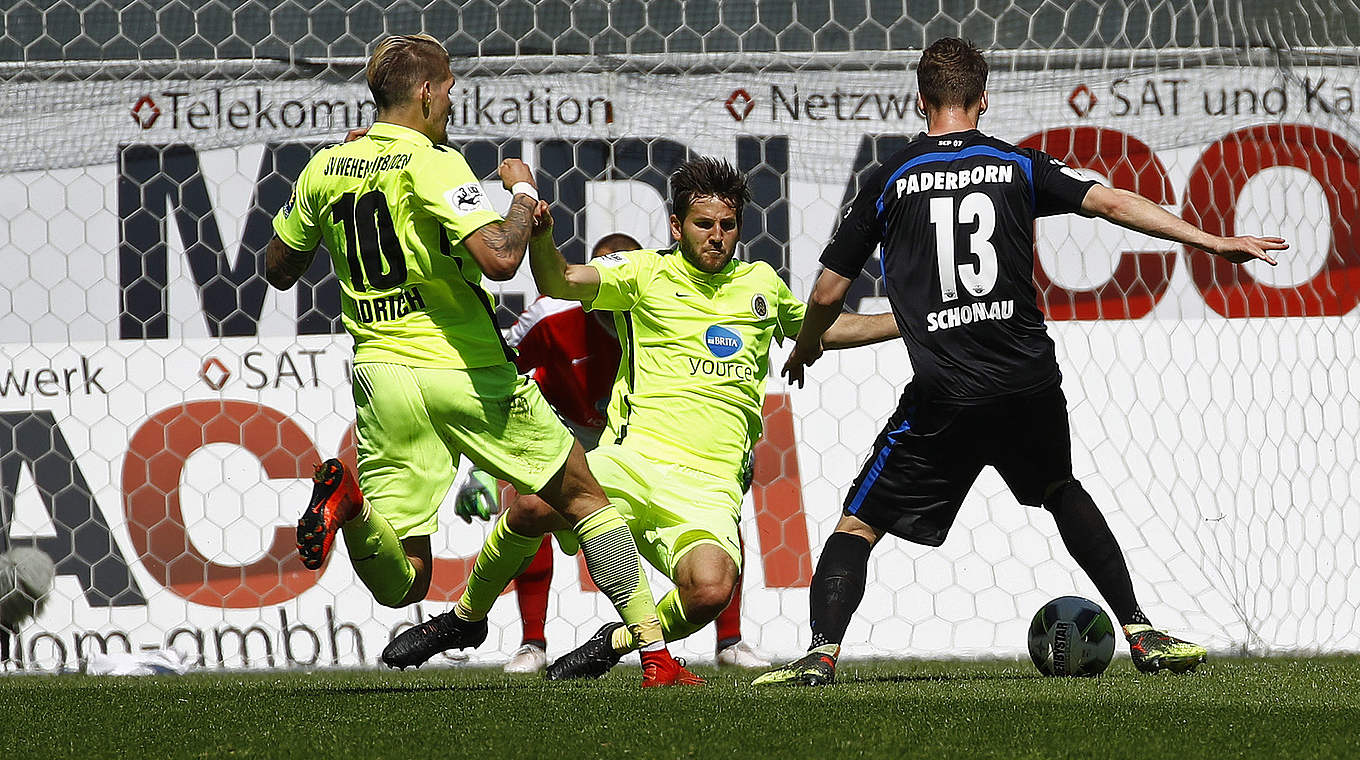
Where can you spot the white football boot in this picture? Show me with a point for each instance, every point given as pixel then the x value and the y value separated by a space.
pixel 529 658
pixel 742 655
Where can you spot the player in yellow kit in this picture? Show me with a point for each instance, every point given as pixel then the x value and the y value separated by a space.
pixel 411 235
pixel 695 327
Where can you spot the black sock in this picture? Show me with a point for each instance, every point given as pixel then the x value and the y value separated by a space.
pixel 1091 543
pixel 838 586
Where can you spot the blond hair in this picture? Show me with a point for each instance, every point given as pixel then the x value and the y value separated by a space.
pixel 401 62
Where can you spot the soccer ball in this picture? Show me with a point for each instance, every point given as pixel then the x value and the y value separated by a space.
pixel 1071 636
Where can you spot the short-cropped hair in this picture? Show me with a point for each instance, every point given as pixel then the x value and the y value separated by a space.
pixel 952 72
pixel 401 62
pixel 615 241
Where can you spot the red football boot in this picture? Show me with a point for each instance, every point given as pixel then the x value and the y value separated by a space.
pixel 660 669
pixel 335 500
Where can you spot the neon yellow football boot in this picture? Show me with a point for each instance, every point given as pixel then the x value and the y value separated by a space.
pixel 816 668
pixel 1153 651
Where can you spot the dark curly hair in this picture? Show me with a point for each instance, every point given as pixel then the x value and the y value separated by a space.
pixel 706 176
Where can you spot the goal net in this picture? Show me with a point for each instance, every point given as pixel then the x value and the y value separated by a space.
pixel 161 407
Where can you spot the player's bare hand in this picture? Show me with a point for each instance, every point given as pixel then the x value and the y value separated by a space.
pixel 543 221
pixel 1245 248
pixel 355 134
pixel 513 170
pixel 800 359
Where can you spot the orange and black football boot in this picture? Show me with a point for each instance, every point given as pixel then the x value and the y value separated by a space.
pixel 335 500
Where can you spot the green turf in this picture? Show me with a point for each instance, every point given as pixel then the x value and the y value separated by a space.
pixel 1231 708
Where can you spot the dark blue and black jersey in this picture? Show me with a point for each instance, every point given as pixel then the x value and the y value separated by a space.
pixel 955 215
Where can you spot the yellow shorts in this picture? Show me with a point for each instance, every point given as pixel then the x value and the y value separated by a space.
pixel 413 424
pixel 669 508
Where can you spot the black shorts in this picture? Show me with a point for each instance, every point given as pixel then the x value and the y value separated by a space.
pixel 928 455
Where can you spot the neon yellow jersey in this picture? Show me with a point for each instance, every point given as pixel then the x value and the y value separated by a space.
pixel 696 346
pixel 393 210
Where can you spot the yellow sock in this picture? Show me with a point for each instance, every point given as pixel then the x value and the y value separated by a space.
pixel 675 625
pixel 378 558
pixel 504 555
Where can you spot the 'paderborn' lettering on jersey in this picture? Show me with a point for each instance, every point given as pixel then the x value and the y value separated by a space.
pixel 954 215
pixel 393 210
pixel 696 355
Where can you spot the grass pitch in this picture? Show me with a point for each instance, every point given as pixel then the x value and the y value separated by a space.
pixel 1231 708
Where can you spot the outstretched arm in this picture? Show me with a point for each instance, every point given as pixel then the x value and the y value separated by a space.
pixel 553 275
pixel 1137 213
pixel 854 330
pixel 824 307
pixel 283 265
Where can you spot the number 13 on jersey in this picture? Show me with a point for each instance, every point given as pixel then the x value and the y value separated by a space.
pixel 975 208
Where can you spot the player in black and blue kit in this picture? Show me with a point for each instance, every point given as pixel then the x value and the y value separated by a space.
pixel 954 213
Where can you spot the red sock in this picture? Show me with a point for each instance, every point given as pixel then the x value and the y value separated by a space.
pixel 660 656
pixel 728 624
pixel 531 589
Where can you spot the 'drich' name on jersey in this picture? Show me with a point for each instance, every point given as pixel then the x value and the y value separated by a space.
pixel 954 215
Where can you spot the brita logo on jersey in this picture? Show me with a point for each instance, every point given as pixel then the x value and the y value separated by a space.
pixel 722 342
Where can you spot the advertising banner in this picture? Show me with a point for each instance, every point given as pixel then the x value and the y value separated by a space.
pixel 161 407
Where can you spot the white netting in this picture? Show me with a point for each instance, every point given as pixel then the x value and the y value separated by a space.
pixel 160 406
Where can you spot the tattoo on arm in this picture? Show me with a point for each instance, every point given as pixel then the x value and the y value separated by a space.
pixel 510 237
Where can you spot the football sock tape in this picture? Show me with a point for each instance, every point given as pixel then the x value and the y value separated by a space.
pixel 674 624
pixel 613 561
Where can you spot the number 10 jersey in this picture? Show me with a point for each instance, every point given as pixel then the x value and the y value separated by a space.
pixel 954 215
pixel 393 210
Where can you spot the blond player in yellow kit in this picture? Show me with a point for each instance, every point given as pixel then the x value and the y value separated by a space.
pixel 411 235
